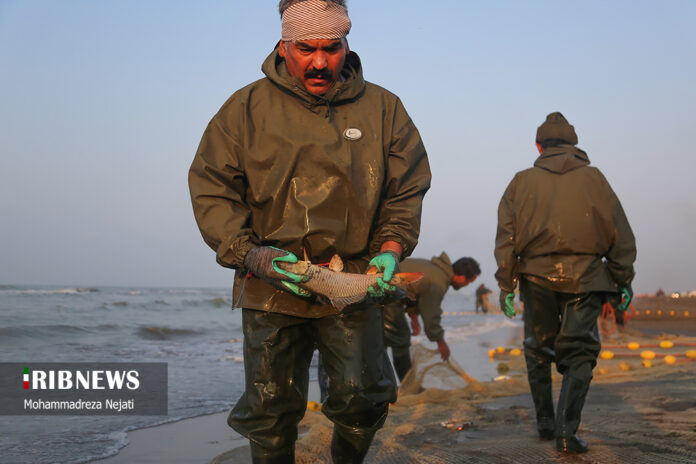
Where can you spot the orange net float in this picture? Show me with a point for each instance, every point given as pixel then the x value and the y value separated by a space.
pixel 649 345
pixel 650 355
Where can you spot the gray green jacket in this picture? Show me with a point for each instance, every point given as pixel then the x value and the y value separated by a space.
pixel 430 290
pixel 561 226
pixel 277 166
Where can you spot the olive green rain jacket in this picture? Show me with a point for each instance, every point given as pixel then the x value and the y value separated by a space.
pixel 337 174
pixel 561 226
pixel 430 290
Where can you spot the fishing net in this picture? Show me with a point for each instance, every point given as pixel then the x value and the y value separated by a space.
pixel 428 370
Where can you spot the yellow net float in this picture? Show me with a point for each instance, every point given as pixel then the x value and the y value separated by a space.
pixel 691 354
pixel 603 371
pixel 686 313
pixel 666 344
pixel 647 354
pixel 606 354
pixel 515 352
pixel 313 406
pixel 647 312
pixel 633 346
pixel 669 359
pixel 659 312
pixel 647 363
pixel 500 349
pixel 491 353
pixel 671 313
pixel 446 313
pixel 624 366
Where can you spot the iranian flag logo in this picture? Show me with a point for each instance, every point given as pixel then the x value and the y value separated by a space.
pixel 26 378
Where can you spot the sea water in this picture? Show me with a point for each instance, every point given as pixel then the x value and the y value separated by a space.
pixel 193 330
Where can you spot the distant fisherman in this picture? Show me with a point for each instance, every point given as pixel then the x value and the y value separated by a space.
pixel 439 274
pixel 564 237
pixel 311 157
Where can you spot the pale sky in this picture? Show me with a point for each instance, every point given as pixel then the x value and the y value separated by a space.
pixel 102 106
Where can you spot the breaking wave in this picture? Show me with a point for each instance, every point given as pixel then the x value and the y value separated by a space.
pixel 47 291
pixel 32 331
pixel 164 333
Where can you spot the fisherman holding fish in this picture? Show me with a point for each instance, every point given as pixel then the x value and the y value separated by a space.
pixel 310 159
pixel 439 274
pixel 564 237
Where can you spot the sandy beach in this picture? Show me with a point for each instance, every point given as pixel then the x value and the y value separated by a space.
pixel 633 414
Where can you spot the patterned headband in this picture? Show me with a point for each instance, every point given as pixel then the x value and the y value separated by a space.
pixel 315 20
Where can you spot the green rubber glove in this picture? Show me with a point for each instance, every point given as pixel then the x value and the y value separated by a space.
pixel 626 297
pixel 507 304
pixel 388 264
pixel 294 288
pixel 262 262
pixel 288 258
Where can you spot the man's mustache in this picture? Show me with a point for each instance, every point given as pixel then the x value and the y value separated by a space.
pixel 318 74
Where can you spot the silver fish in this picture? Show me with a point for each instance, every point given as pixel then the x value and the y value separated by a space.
pixel 342 288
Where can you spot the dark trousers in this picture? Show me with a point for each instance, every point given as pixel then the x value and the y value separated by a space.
pixel 561 327
pixel 397 335
pixel 277 355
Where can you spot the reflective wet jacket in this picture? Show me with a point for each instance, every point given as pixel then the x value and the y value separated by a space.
pixel 337 174
pixel 561 226
pixel 430 290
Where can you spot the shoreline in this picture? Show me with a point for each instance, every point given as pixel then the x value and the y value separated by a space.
pixel 186 441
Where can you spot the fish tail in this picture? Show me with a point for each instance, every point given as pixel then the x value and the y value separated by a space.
pixel 405 278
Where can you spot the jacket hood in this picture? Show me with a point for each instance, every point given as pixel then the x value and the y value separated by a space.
pixel 562 159
pixel 350 88
pixel 445 264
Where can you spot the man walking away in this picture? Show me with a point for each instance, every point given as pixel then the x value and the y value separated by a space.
pixel 564 237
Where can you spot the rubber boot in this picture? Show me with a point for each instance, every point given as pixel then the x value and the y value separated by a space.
pixel 402 364
pixel 350 448
pixel 264 456
pixel 539 375
pixel 570 404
